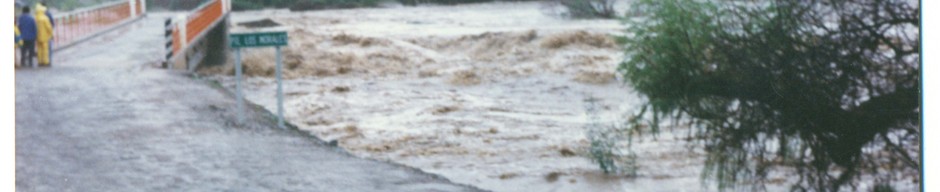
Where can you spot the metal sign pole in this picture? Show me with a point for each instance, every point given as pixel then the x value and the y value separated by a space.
pixel 280 91
pixel 238 85
pixel 262 39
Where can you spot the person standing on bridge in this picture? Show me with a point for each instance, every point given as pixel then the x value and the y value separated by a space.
pixel 27 26
pixel 48 13
pixel 52 21
pixel 16 44
pixel 43 35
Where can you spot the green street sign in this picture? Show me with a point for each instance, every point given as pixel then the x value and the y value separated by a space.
pixel 264 39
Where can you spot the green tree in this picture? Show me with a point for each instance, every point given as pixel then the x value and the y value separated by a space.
pixel 830 88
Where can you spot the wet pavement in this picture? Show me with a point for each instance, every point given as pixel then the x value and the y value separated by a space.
pixel 104 118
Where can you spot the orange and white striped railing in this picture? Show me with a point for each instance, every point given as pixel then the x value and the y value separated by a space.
pixel 82 24
pixel 183 31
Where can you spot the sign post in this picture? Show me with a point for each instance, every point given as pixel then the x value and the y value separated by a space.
pixel 238 85
pixel 280 90
pixel 259 39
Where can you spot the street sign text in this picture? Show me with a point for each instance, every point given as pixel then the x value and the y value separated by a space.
pixel 258 39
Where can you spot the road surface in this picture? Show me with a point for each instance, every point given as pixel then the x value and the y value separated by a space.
pixel 103 118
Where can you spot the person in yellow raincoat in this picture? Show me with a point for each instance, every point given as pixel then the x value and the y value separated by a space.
pixel 18 42
pixel 43 35
pixel 16 45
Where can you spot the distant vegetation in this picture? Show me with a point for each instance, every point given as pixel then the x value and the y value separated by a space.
pixel 67 5
pixel 443 2
pixel 336 4
pixel 301 4
pixel 176 5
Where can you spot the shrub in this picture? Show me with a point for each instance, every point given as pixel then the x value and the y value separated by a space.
pixel 606 144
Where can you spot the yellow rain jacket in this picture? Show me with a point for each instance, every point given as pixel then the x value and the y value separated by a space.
pixel 19 42
pixel 43 24
pixel 43 34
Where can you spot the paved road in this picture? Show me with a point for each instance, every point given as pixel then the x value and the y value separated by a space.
pixel 104 119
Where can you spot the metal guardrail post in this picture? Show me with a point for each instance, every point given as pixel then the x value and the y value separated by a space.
pixel 143 6
pixel 133 7
pixel 81 23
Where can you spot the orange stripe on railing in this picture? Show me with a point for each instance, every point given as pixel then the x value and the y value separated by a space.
pixel 197 23
pixel 176 41
pixel 76 25
pixel 201 20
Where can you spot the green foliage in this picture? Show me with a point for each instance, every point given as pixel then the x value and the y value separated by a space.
pixel 607 149
pixel 441 2
pixel 174 5
pixel 239 5
pixel 336 4
pixel 301 4
pixel 783 83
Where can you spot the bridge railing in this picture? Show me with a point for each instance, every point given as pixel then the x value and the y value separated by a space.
pixel 75 26
pixel 185 31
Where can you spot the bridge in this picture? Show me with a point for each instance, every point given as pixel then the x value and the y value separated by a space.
pixel 199 36
pixel 192 38
pixel 109 117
